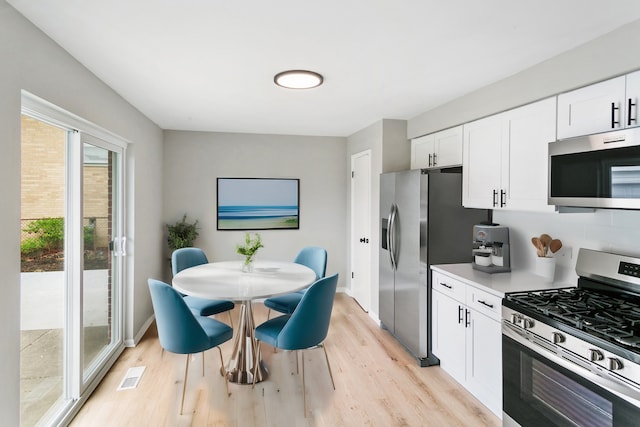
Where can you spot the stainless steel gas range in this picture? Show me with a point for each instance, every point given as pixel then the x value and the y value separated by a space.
pixel 571 356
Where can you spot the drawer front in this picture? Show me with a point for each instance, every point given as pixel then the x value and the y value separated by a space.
pixel 448 286
pixel 484 302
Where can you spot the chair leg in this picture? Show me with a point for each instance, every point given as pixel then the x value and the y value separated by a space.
pixel 255 364
pixel 297 366
pixel 328 365
pixel 304 393
pixel 184 386
pixel 230 318
pixel 268 313
pixel 226 381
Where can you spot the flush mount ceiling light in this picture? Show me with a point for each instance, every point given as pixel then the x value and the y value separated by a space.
pixel 298 79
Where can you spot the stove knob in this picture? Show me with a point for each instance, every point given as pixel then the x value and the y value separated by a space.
pixel 527 323
pixel 558 338
pixel 615 364
pixel 595 355
pixel 515 318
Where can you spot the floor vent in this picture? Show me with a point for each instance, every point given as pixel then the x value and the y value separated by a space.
pixel 132 378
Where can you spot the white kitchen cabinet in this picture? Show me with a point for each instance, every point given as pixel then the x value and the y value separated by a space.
pixel 505 160
pixel 606 106
pixel 437 150
pixel 631 103
pixel 448 337
pixel 467 337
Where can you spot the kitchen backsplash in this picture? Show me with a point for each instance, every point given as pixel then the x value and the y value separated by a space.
pixel 615 231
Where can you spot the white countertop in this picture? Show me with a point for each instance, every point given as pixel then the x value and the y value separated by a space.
pixel 498 283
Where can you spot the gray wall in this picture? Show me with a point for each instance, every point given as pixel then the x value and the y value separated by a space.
pixel 609 230
pixel 193 161
pixel 31 61
pixel 610 55
pixel 390 152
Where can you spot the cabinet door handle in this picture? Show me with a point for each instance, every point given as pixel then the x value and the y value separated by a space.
pixel 613 115
pixel 467 320
pixel 460 314
pixel 429 159
pixel 630 104
pixel 503 198
pixel 495 198
pixel 485 303
pixel 446 286
pixel 435 159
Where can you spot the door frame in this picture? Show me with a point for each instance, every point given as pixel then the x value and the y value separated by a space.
pixel 77 387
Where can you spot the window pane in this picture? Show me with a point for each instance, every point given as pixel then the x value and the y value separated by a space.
pixel 42 264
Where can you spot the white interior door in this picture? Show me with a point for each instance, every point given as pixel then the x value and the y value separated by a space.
pixel 361 228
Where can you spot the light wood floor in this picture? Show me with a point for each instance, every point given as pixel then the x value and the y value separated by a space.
pixel 377 384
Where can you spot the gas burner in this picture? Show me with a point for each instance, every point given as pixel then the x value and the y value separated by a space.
pixel 610 317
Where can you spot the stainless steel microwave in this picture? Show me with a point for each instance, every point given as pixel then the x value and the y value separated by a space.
pixel 598 171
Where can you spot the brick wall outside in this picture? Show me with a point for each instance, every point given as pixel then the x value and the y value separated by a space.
pixel 43 180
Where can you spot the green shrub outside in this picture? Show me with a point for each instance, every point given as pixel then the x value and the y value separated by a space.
pixel 49 236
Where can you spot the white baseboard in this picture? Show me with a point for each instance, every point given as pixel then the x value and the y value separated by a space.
pixel 141 332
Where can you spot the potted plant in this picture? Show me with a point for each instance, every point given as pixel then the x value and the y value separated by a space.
pixel 182 234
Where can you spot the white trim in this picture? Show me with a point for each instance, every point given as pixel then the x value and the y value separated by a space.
pixel 77 386
pixel 143 330
pixel 45 111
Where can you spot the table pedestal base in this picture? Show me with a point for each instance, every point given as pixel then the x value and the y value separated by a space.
pixel 240 368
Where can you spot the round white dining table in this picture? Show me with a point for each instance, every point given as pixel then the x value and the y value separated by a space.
pixel 226 280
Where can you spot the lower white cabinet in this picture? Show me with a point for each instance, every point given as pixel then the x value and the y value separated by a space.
pixel 467 337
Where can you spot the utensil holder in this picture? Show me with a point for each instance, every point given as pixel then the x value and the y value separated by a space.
pixel 546 268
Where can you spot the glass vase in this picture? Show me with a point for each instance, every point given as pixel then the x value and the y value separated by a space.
pixel 247 266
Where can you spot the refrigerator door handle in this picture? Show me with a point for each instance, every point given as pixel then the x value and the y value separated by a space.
pixel 389 238
pixel 391 235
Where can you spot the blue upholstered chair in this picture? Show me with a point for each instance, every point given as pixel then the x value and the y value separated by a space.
pixel 190 257
pixel 311 256
pixel 306 328
pixel 182 332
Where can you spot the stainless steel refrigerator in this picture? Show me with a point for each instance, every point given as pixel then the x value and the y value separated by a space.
pixel 422 223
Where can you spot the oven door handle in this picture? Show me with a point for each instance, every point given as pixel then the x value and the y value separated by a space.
pixel 619 388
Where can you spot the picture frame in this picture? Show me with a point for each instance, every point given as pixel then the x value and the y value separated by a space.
pixel 258 203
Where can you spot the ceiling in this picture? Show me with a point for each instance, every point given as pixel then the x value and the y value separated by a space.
pixel 208 65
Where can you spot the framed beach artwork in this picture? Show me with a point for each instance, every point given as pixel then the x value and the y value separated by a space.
pixel 258 203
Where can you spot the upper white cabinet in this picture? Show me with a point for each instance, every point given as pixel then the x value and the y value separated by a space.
pixel 505 158
pixel 437 150
pixel 601 107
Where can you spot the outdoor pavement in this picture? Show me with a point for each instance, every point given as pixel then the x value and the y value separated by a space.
pixel 42 317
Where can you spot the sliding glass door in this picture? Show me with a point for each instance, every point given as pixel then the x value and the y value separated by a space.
pixel 72 250
pixel 102 247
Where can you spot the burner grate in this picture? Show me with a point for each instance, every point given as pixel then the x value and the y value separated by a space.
pixel 611 317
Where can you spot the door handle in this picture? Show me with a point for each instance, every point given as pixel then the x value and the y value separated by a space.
pixel 495 198
pixel 392 234
pixel 613 115
pixel 364 240
pixel 630 104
